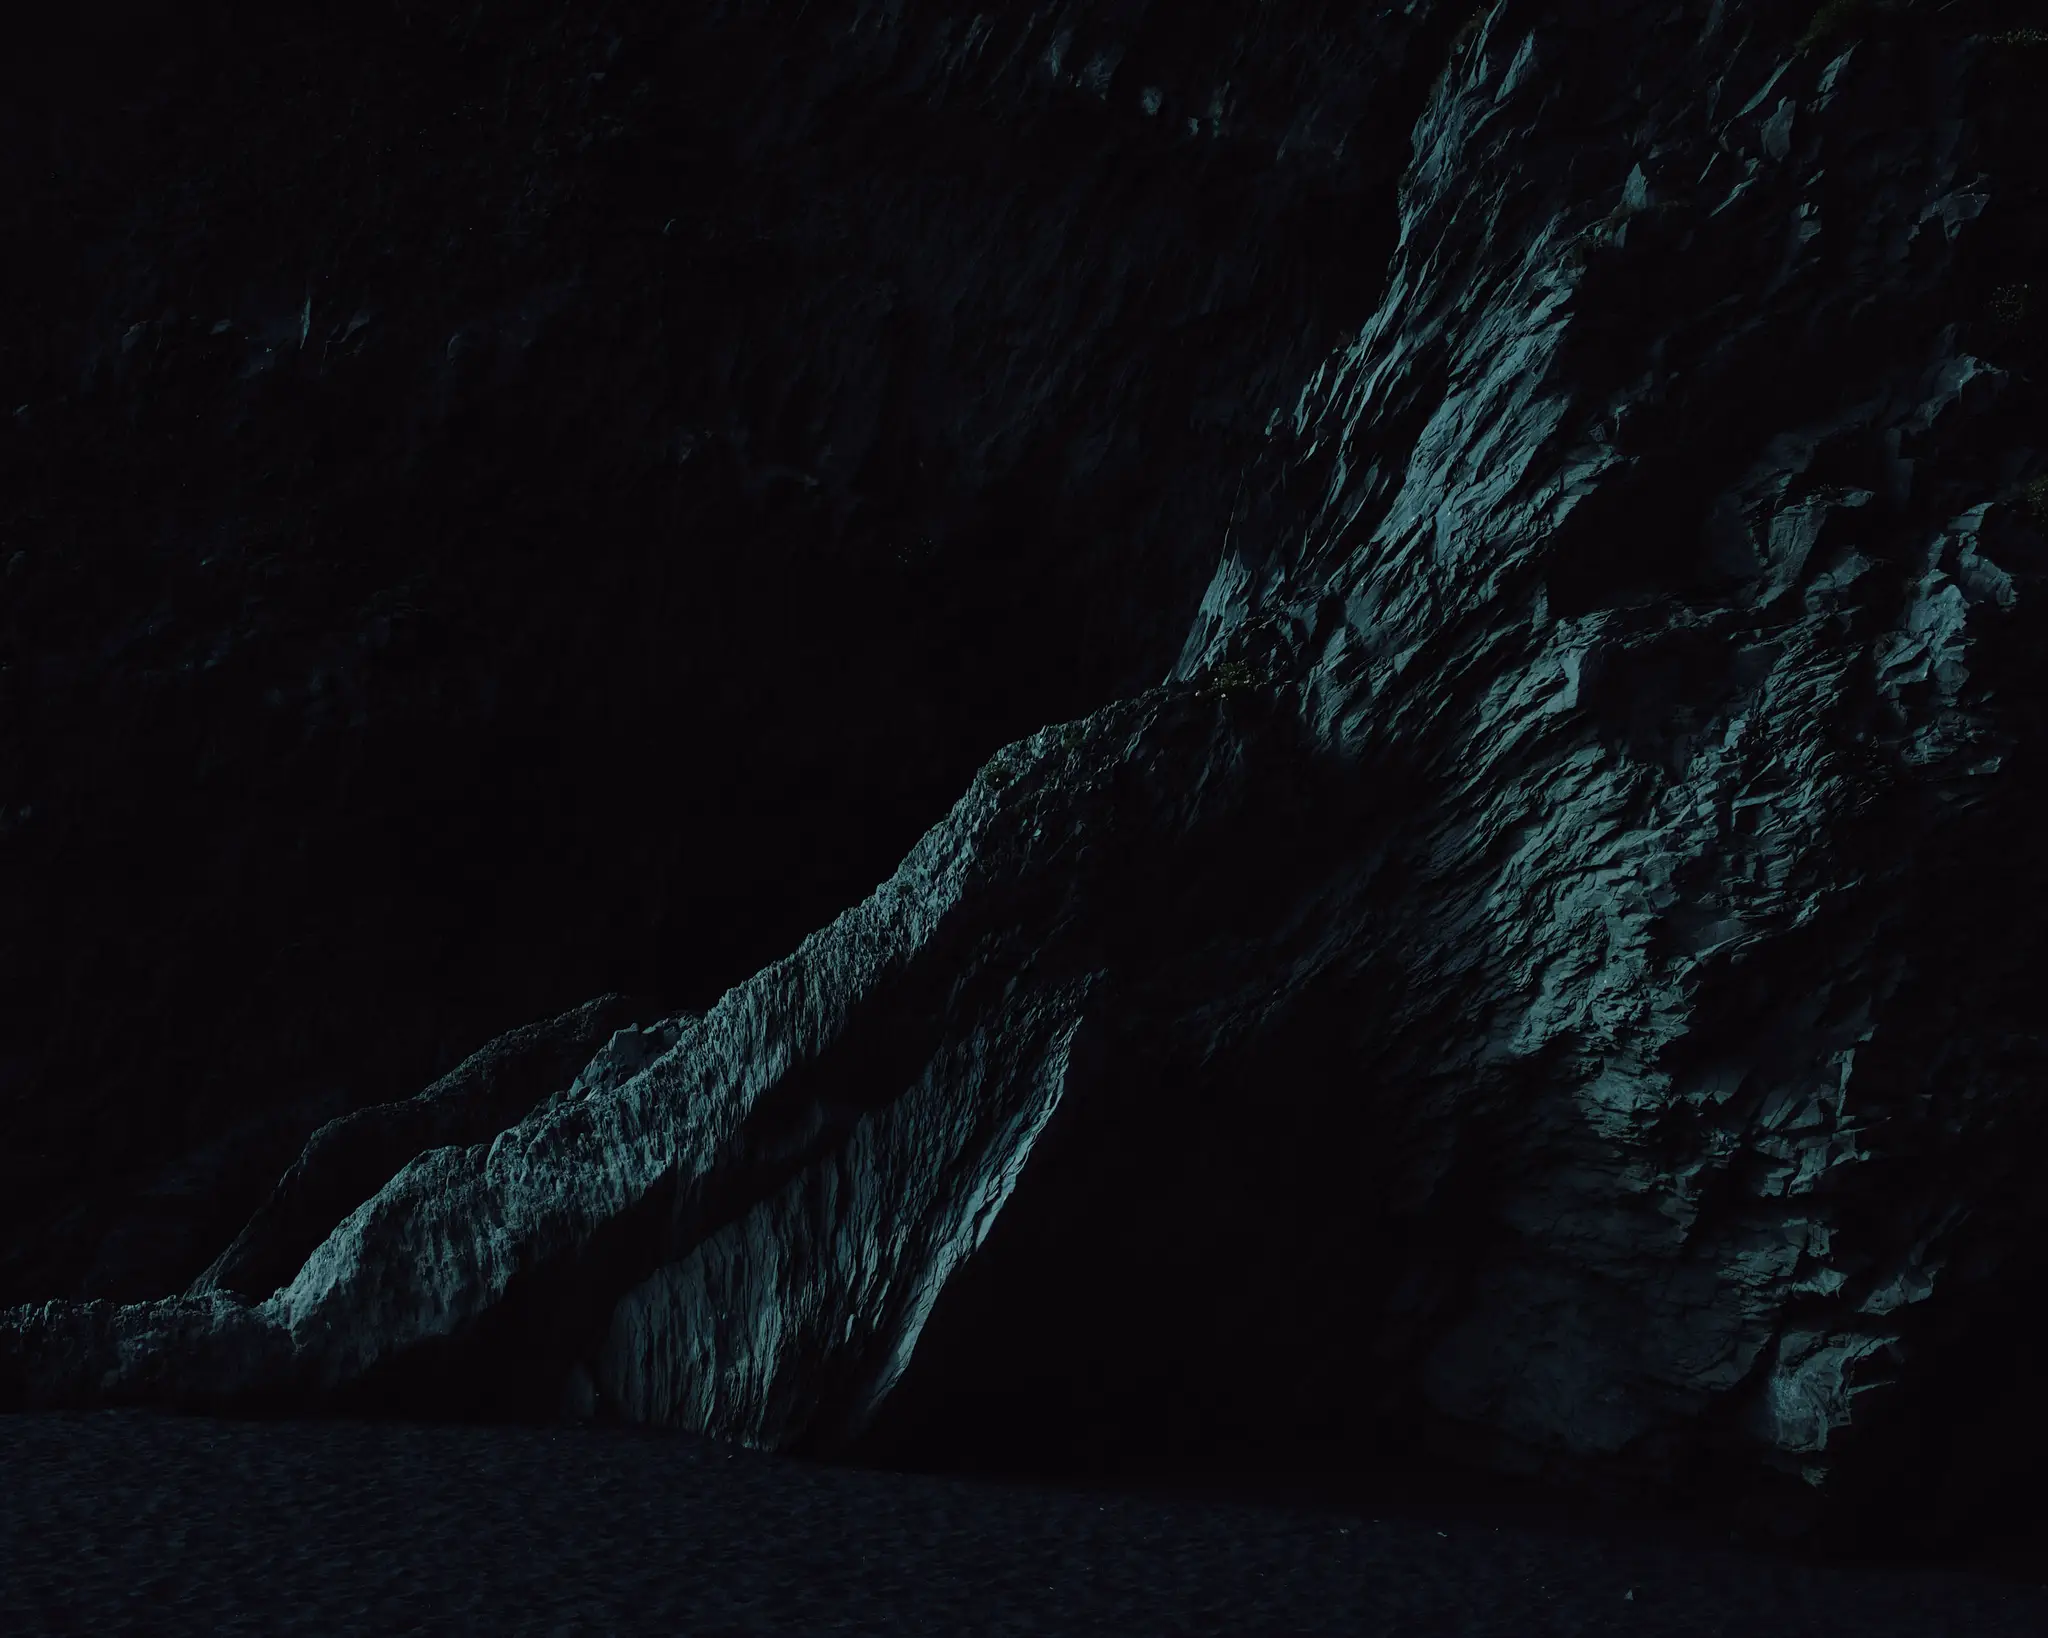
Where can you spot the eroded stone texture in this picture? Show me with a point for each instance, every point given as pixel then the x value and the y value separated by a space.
pixel 1547 980
pixel 773 407
pixel 352 1157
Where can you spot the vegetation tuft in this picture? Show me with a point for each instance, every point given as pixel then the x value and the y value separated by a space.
pixel 1230 677
pixel 2035 499
pixel 1834 17
pixel 2010 304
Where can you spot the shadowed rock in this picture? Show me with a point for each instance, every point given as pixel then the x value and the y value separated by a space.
pixel 1547 982
pixel 775 408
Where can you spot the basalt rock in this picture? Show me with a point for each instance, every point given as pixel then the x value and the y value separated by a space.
pixel 1548 980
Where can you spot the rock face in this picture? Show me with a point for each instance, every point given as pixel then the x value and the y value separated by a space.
pixel 352 1157
pixel 1547 981
pixel 420 426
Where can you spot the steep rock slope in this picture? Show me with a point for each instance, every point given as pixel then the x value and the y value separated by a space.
pixel 1548 980
pixel 421 420
pixel 352 1157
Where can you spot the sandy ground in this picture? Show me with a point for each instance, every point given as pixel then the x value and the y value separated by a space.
pixel 146 1523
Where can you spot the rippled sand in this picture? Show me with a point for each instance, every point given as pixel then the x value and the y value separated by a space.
pixel 147 1523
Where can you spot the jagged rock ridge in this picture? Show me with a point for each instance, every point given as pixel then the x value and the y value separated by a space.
pixel 419 417
pixel 1552 967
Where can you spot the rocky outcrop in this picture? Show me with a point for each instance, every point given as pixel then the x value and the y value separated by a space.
pixel 353 1156
pixel 417 423
pixel 1547 981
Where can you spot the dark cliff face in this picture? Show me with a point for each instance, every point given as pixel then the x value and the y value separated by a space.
pixel 1546 983
pixel 510 501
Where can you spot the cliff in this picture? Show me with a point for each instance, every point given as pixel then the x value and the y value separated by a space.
pixel 1544 982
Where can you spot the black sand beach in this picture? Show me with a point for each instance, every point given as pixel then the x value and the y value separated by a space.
pixel 118 1522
